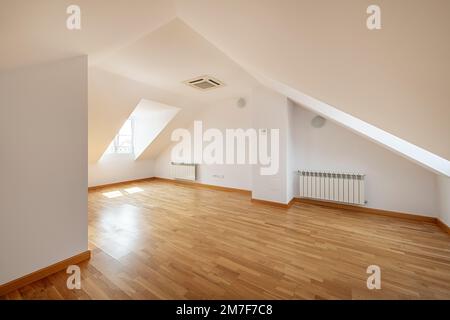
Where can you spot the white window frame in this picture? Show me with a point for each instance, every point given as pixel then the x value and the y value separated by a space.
pixel 115 143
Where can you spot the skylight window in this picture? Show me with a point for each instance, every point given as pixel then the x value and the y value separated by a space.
pixel 124 140
pixel 144 124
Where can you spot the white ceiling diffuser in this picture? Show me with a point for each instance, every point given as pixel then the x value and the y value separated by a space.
pixel 204 83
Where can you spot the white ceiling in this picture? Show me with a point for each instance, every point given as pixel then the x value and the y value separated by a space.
pixel 35 31
pixel 395 78
pixel 174 53
pixel 154 67
pixel 140 39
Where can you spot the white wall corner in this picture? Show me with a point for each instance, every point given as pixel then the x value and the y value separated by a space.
pixel 444 199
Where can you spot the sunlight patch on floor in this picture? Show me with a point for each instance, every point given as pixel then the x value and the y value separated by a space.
pixel 133 190
pixel 113 194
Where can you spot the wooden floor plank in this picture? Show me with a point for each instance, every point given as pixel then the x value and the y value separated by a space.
pixel 175 241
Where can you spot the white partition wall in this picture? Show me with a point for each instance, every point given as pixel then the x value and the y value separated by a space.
pixel 270 110
pixel 43 184
pixel 444 199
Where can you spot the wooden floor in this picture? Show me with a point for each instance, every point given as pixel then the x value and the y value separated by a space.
pixel 180 242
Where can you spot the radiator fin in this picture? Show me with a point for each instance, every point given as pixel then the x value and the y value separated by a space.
pixel 332 186
pixel 183 171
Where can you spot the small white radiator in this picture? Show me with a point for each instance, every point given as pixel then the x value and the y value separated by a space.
pixel 337 187
pixel 183 171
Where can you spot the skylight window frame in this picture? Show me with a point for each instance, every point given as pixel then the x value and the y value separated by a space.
pixel 115 144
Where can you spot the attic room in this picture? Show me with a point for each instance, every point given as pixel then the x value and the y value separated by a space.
pixel 243 150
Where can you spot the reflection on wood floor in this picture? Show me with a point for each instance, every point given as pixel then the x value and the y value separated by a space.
pixel 163 240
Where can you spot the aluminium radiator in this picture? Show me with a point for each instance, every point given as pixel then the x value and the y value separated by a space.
pixel 337 187
pixel 183 171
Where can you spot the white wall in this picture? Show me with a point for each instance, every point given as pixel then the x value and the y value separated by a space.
pixel 291 145
pixel 265 109
pixel 114 168
pixel 43 134
pixel 224 114
pixel 270 111
pixel 392 182
pixel 444 199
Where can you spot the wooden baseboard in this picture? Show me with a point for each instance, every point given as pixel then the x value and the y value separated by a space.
pixel 118 183
pixel 443 226
pixel 272 203
pixel 42 273
pixel 379 212
pixel 204 185
pixel 293 200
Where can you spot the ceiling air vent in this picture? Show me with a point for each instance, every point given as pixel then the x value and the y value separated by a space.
pixel 204 83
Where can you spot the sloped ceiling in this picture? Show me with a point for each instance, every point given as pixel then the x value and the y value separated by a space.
pixel 396 78
pixel 35 31
pixel 174 53
pixel 112 99
pixel 153 68
pixel 408 150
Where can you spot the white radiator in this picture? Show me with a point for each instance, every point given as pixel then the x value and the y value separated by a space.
pixel 183 171
pixel 337 187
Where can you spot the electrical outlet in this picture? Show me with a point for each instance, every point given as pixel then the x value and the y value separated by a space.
pixel 219 176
